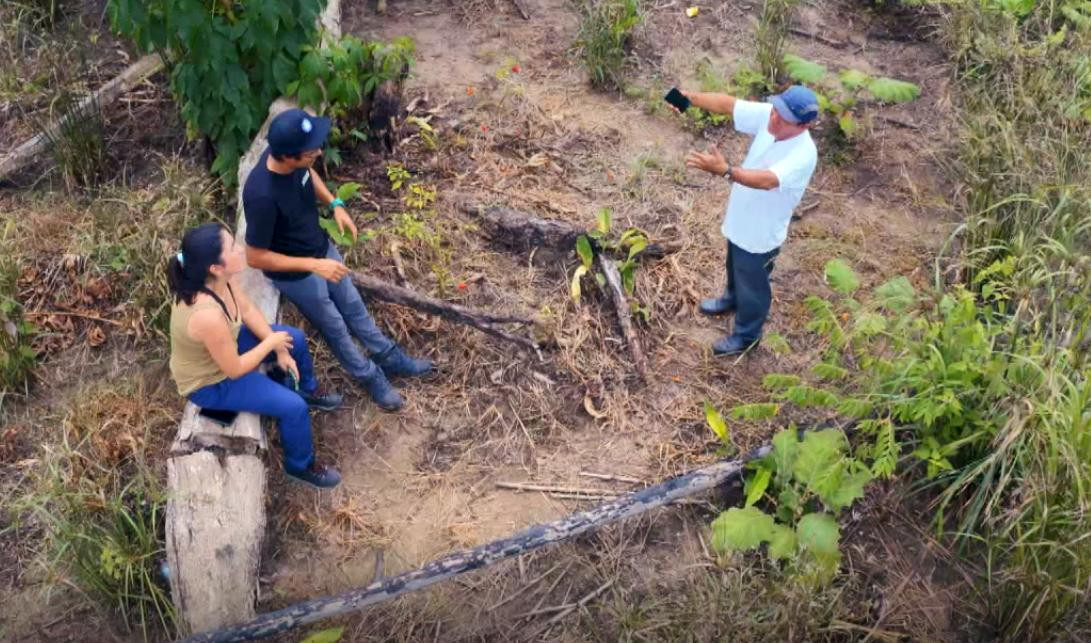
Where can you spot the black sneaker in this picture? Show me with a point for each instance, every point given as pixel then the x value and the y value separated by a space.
pixel 322 399
pixel 395 362
pixel 717 306
pixel 318 475
pixel 732 346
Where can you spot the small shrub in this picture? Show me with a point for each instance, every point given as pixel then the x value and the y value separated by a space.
pixel 78 146
pixel 769 39
pixel 603 42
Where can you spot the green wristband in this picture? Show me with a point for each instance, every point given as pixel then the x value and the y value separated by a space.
pixel 335 204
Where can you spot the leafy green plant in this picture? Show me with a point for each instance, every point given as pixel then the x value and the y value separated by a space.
pixel 346 192
pixel 417 223
pixel 228 60
pixel 842 94
pixel 604 37
pixel 769 39
pixel 804 483
pixel 17 355
pixel 631 242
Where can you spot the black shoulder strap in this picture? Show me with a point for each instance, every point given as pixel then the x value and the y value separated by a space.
pixel 208 291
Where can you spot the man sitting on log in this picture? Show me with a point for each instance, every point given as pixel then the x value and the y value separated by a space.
pixel 285 240
pixel 765 188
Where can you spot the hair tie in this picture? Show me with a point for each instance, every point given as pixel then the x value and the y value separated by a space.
pixel 181 261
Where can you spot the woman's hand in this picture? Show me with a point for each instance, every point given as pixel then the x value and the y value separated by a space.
pixel 279 341
pixel 287 364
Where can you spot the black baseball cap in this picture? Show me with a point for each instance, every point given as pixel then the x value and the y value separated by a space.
pixel 294 131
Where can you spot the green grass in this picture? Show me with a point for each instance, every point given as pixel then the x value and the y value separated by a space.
pixel 604 37
pixel 98 504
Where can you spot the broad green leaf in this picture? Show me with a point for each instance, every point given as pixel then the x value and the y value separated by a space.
pixel 896 295
pixel 331 635
pixel 583 249
pixel 782 544
pixel 756 485
pixel 841 277
pixel 785 452
pixel 716 423
pixel 340 238
pixel 603 221
pixel 803 70
pixel 849 486
pixel 818 452
pixel 574 287
pixel 627 271
pixel 637 247
pixel 348 191
pixel 737 529
pixel 848 124
pixel 777 381
pixel 853 79
pixel 889 90
pixel 756 411
pixel 819 533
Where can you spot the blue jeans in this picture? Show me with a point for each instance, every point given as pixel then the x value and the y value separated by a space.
pixel 256 393
pixel 748 282
pixel 339 314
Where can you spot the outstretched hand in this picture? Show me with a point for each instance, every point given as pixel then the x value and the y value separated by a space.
pixel 712 162
pixel 341 216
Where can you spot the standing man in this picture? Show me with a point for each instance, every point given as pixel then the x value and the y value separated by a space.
pixel 765 188
pixel 284 240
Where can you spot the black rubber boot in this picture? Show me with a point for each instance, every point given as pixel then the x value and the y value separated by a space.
pixel 718 306
pixel 382 392
pixel 395 363
pixel 732 345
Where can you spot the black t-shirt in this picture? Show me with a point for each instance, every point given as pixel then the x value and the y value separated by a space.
pixel 281 215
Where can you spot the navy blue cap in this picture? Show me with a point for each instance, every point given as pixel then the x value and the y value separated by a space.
pixel 797 105
pixel 294 131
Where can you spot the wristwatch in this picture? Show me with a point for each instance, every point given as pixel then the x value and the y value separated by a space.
pixel 336 203
pixel 727 172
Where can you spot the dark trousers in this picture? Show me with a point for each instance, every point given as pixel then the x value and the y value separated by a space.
pixel 339 314
pixel 748 283
pixel 256 393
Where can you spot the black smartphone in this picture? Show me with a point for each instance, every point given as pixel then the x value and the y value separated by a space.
pixel 220 417
pixel 675 97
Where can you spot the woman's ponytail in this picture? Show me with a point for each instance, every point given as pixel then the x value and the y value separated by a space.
pixel 187 271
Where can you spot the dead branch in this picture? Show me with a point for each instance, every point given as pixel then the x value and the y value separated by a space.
pixel 519 4
pixel 483 321
pixel 523 231
pixel 624 313
pixel 108 93
pixel 451 565
pixel 522 486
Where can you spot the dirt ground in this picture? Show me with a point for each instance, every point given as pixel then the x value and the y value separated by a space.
pixel 422 483
pixel 540 140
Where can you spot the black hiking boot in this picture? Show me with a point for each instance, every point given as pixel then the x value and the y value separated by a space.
pixel 395 363
pixel 317 475
pixel 718 306
pixel 380 390
pixel 322 399
pixel 732 345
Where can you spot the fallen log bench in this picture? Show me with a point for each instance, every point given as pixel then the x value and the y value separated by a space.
pixel 215 520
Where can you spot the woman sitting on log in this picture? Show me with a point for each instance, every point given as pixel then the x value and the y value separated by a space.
pixel 218 339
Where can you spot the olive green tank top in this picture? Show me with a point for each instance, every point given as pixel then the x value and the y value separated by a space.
pixel 191 365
